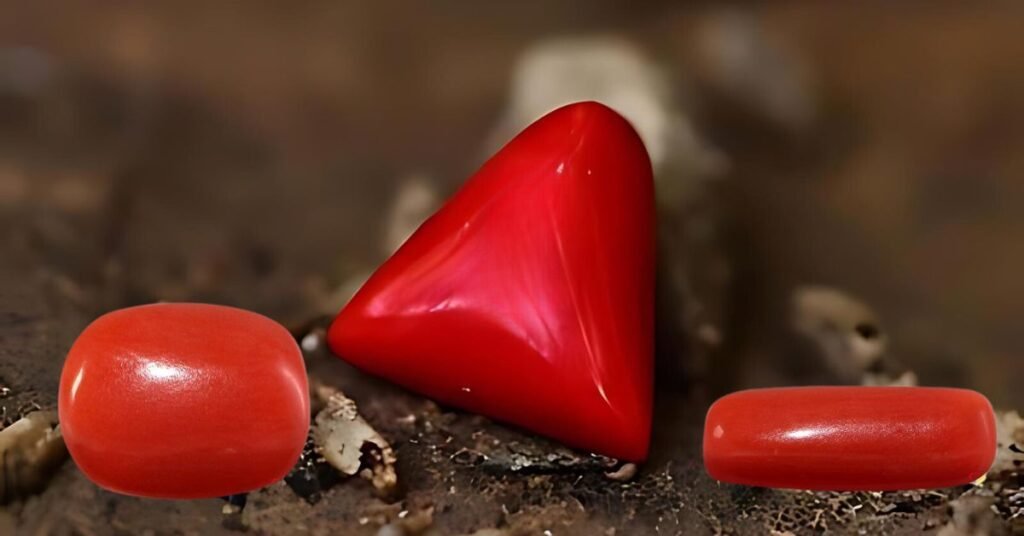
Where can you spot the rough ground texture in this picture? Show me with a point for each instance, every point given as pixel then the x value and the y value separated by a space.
pixel 243 154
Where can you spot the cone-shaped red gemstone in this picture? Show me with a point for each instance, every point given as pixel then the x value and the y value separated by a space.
pixel 184 401
pixel 529 296
pixel 850 438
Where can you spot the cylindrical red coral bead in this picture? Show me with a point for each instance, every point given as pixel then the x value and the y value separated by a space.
pixel 850 438
pixel 184 401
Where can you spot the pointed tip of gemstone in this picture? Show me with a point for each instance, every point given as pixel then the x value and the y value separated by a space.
pixel 591 110
pixel 595 121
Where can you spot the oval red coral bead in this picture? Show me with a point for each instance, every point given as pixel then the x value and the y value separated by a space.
pixel 850 438
pixel 184 401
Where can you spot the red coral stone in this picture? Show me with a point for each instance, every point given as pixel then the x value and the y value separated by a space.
pixel 529 296
pixel 850 438
pixel 184 401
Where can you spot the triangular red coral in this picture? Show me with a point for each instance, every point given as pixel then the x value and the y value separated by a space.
pixel 529 296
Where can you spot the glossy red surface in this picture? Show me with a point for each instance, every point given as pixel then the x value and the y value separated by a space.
pixel 850 438
pixel 529 296
pixel 184 401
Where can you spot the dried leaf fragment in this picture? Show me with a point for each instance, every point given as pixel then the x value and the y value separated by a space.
pixel 350 444
pixel 31 449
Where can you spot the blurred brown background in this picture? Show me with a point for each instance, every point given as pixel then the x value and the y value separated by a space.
pixel 249 153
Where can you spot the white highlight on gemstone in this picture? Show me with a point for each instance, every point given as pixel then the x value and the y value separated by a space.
pixel 158 371
pixel 77 382
pixel 802 433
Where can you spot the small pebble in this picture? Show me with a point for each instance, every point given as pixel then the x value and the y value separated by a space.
pixel 311 342
pixel 624 473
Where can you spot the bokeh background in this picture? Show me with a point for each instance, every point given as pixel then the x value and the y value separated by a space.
pixel 269 155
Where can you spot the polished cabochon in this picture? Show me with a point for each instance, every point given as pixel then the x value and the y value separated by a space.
pixel 850 438
pixel 528 297
pixel 184 401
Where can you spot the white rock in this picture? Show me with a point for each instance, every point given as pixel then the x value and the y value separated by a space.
pixel 615 72
pixel 31 449
pixel 414 202
pixel 846 331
